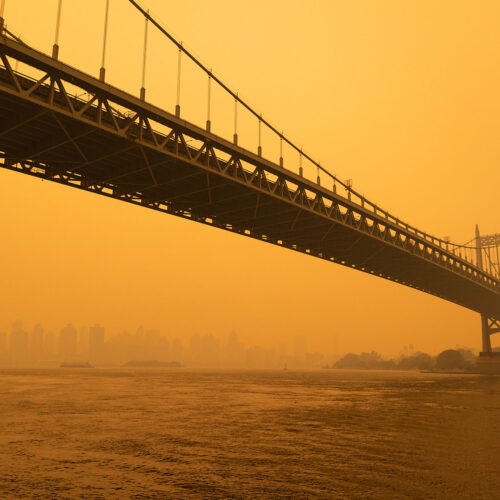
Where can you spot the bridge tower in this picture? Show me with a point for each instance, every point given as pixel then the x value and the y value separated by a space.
pixel 484 319
pixel 488 359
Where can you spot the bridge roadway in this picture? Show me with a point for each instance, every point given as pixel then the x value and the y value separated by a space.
pixel 114 144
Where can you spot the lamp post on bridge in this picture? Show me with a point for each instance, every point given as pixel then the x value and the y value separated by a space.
pixel 102 72
pixel 144 59
pixel 55 47
pixel 2 22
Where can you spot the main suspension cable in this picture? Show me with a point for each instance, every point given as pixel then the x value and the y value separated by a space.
pixel 231 93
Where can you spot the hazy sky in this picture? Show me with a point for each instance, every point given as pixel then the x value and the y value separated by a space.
pixel 401 96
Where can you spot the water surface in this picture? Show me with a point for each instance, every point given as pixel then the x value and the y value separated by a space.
pixel 124 433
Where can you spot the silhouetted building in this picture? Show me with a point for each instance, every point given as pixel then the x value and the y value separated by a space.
pixel 96 342
pixel 177 353
pixel 299 346
pixel 83 342
pixel 49 345
pixel 3 347
pixel 37 344
pixel 18 343
pixel 67 342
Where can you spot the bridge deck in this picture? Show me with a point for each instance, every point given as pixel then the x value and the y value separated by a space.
pixel 116 145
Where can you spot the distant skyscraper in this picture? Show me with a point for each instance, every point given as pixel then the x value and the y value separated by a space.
pixel 3 347
pixel 49 345
pixel 177 350
pixel 96 342
pixel 83 341
pixel 18 344
pixel 235 352
pixel 152 348
pixel 67 342
pixel 37 344
pixel 299 346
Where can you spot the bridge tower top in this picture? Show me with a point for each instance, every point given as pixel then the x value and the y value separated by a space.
pixel 479 254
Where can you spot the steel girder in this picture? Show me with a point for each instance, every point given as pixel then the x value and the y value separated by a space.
pixel 490 326
pixel 117 145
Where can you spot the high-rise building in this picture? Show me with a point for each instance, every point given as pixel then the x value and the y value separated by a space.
pixel 235 351
pixel 67 342
pixel 37 344
pixel 96 343
pixel 18 343
pixel 49 345
pixel 177 353
pixel 152 348
pixel 83 342
pixel 3 347
pixel 299 346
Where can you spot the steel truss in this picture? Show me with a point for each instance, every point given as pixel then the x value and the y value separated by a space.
pixel 490 326
pixel 490 240
pixel 111 143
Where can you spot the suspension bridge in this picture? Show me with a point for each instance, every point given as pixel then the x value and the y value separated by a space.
pixel 66 126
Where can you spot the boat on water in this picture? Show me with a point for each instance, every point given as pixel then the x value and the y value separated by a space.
pixel 153 364
pixel 76 365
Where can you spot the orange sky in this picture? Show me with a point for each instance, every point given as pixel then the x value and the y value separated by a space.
pixel 401 96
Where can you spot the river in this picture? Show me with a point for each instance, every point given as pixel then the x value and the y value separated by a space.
pixel 123 433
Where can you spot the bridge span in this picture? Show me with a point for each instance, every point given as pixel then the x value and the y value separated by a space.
pixel 69 127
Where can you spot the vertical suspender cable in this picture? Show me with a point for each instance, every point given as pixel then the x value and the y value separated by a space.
pixel 178 104
pixel 301 170
pixel 318 180
pixel 498 263
pixel 102 72
pixel 55 48
pixel 493 262
pixel 281 149
pixel 208 100
pixel 259 149
pixel 2 10
pixel 235 137
pixel 143 88
pixel 273 129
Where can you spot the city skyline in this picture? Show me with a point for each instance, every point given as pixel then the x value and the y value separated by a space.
pixel 22 347
pixel 36 346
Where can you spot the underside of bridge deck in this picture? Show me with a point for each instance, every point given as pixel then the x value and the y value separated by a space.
pixel 109 145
